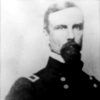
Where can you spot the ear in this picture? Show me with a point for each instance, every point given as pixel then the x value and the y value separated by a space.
pixel 46 34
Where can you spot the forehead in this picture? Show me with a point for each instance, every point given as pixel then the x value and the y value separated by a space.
pixel 67 16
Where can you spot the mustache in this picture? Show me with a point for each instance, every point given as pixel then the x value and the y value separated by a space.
pixel 70 51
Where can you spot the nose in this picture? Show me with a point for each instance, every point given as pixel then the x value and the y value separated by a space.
pixel 70 34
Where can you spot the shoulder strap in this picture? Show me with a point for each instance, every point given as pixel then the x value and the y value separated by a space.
pixel 33 78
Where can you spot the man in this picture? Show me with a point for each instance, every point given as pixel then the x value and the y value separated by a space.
pixel 63 76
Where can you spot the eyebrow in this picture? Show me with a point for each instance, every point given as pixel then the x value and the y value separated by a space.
pixel 60 26
pixel 79 25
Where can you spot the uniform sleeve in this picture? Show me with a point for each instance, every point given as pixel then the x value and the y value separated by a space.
pixel 21 90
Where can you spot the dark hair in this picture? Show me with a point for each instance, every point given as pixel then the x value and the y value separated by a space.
pixel 55 8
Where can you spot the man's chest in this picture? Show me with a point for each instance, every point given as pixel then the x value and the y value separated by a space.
pixel 63 85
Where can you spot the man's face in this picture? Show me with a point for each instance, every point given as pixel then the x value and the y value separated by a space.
pixel 65 25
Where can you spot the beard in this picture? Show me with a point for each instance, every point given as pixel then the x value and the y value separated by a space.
pixel 70 52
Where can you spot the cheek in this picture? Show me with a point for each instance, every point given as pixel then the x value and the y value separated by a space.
pixel 78 36
pixel 60 36
pixel 57 39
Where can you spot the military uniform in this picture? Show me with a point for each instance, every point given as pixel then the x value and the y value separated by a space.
pixel 56 81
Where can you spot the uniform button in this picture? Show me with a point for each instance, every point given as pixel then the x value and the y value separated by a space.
pixel 95 85
pixel 63 79
pixel 66 86
pixel 91 78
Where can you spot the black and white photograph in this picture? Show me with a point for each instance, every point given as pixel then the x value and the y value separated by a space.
pixel 50 49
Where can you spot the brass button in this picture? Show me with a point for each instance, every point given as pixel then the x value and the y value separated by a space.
pixel 66 86
pixel 95 85
pixel 63 79
pixel 91 78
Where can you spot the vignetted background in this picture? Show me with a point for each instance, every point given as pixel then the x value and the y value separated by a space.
pixel 24 49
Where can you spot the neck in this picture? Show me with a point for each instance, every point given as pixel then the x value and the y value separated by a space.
pixel 57 57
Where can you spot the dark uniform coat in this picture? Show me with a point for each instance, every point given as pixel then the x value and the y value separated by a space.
pixel 56 81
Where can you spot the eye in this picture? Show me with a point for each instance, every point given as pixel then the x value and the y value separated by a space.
pixel 60 27
pixel 78 26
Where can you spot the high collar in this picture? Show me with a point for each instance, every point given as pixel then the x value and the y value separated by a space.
pixel 54 67
pixel 60 67
pixel 57 57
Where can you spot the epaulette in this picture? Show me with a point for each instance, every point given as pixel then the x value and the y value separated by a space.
pixel 33 78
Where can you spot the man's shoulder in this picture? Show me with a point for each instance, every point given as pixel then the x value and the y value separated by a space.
pixel 25 82
pixel 32 79
pixel 90 80
pixel 22 88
